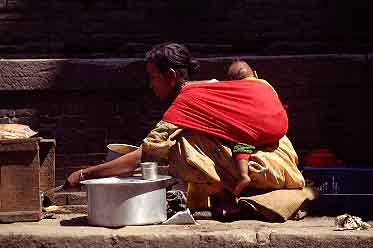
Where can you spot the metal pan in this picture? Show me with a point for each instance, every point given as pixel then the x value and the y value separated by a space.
pixel 117 201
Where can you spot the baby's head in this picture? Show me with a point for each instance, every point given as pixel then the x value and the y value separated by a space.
pixel 239 70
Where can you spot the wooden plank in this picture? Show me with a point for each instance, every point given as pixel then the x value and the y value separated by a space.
pixel 24 199
pixel 47 164
pixel 20 186
pixel 18 145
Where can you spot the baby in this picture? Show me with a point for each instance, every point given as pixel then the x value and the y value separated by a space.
pixel 240 70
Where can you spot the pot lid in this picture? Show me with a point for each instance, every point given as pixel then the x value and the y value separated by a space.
pixel 124 180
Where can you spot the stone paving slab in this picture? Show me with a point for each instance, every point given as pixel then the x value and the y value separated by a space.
pixel 73 231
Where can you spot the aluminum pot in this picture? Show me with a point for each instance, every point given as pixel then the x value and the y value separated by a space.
pixel 116 201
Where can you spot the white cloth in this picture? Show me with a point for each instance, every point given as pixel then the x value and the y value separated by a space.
pixel 181 218
pixel 349 222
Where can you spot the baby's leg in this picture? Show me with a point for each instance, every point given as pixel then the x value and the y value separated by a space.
pixel 245 180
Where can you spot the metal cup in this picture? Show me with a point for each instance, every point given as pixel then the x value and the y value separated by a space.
pixel 149 170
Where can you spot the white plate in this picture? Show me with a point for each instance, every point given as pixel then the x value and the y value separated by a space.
pixel 122 148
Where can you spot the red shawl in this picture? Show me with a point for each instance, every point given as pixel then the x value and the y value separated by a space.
pixel 246 111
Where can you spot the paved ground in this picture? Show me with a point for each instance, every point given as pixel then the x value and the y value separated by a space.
pixel 72 230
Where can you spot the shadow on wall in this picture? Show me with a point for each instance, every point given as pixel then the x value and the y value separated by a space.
pixel 83 104
pixel 102 101
pixel 327 97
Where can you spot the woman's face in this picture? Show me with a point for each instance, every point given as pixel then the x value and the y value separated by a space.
pixel 162 84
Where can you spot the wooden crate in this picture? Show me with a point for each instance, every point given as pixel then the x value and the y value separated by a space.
pixel 27 168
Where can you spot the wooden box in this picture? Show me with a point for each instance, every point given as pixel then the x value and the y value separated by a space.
pixel 27 168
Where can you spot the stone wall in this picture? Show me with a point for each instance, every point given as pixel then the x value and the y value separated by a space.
pixel 127 28
pixel 86 104
pixel 316 53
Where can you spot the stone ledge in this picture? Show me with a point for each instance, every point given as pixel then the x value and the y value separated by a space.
pixel 129 73
pixel 70 198
pixel 71 74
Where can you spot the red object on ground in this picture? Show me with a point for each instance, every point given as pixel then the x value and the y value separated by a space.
pixel 321 157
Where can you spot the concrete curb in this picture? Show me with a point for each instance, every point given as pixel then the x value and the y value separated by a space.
pixel 73 231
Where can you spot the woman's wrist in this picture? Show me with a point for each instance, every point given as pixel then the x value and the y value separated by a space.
pixel 81 175
pixel 84 174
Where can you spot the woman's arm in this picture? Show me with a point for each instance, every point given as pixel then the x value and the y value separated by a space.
pixel 155 147
pixel 121 166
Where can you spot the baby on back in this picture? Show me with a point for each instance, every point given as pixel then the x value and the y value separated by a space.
pixel 240 70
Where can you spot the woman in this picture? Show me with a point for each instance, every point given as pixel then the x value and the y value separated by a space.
pixel 197 130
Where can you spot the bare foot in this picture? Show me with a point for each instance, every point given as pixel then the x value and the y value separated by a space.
pixel 245 181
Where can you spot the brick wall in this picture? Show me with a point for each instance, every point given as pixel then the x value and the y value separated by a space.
pixel 127 28
pixel 86 104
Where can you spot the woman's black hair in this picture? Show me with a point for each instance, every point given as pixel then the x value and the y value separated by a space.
pixel 172 55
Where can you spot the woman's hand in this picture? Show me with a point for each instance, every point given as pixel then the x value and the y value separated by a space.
pixel 123 165
pixel 73 181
